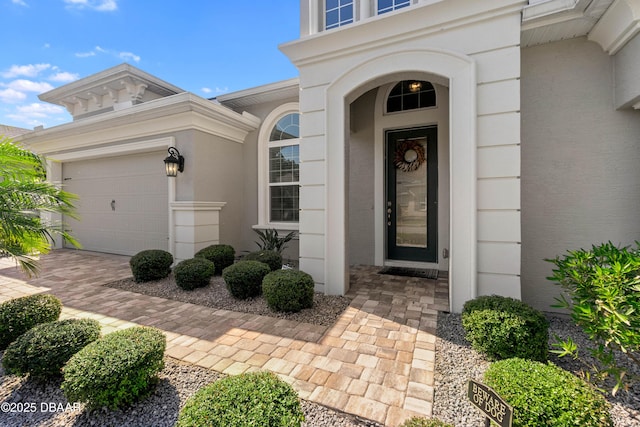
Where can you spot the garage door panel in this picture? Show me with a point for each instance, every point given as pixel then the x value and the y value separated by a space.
pixel 138 218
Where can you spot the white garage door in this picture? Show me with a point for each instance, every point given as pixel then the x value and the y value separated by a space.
pixel 123 203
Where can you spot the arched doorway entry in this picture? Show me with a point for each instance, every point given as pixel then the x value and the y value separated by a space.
pixel 349 120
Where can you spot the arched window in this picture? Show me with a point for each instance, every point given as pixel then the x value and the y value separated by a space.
pixel 411 95
pixel 279 167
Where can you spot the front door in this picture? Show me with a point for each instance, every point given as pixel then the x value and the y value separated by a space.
pixel 412 194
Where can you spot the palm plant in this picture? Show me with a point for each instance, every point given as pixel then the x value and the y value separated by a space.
pixel 271 241
pixel 24 195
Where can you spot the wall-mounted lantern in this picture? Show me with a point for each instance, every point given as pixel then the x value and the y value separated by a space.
pixel 174 162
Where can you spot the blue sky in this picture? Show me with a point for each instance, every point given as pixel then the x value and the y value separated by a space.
pixel 207 47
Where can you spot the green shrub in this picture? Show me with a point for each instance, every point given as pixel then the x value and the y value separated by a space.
pixel 115 370
pixel 149 265
pixel 545 395
pixel 19 315
pixel 244 278
pixel 603 288
pixel 194 273
pixel 221 255
pixel 43 350
pixel 272 258
pixel 424 422
pixel 288 290
pixel 501 328
pixel 257 399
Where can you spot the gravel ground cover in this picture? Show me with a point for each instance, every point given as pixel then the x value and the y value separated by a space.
pixel 26 403
pixel 326 308
pixel 456 362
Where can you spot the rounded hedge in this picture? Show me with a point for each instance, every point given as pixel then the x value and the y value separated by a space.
pixel 272 258
pixel 221 255
pixel 152 264
pixel 258 399
pixel 546 395
pixel 502 328
pixel 288 290
pixel 43 350
pixel 244 278
pixel 194 273
pixel 115 370
pixel 19 315
pixel 424 422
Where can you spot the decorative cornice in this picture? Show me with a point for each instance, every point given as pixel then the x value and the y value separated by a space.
pixel 619 24
pixel 183 111
pixel 104 82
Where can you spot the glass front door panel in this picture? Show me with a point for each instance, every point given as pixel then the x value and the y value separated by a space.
pixel 411 193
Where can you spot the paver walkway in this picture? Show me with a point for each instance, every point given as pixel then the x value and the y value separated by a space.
pixel 376 361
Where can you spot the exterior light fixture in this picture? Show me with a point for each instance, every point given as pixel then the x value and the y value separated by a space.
pixel 174 162
pixel 415 86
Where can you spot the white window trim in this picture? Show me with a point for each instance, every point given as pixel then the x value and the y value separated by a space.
pixel 263 168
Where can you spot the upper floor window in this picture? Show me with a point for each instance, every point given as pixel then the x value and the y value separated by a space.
pixel 284 169
pixel 411 95
pixel 338 12
pixel 385 6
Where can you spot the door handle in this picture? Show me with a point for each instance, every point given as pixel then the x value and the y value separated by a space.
pixel 113 205
pixel 389 212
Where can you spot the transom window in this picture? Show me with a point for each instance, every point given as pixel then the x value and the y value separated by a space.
pixel 385 6
pixel 337 13
pixel 411 95
pixel 284 169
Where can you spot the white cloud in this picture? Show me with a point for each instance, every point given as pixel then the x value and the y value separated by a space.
pixel 85 54
pixel 206 90
pixel 11 96
pixel 39 110
pixel 36 114
pixel 107 6
pixel 64 77
pixel 126 56
pixel 98 5
pixel 31 70
pixel 19 2
pixel 23 85
pixel 222 90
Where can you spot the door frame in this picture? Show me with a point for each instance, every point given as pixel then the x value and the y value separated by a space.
pixel 393 252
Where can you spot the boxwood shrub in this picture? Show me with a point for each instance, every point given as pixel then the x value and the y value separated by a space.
pixel 221 255
pixel 251 399
pixel 117 369
pixel 244 278
pixel 424 422
pixel 43 350
pixel 501 328
pixel 288 290
pixel 546 395
pixel 19 315
pixel 151 264
pixel 194 273
pixel 272 258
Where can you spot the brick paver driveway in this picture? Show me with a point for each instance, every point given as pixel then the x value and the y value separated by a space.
pixel 376 361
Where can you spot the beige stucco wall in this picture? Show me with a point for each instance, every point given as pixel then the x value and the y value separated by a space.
pixel 249 218
pixel 361 180
pixel 580 175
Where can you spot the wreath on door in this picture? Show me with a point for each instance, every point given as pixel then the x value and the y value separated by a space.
pixel 409 155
